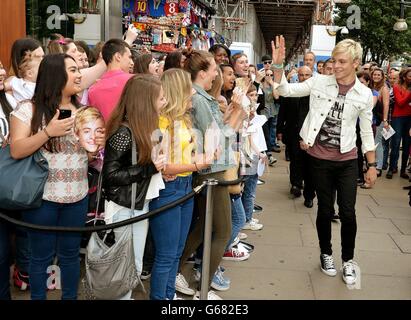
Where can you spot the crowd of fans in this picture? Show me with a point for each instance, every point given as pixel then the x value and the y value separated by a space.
pixel 193 116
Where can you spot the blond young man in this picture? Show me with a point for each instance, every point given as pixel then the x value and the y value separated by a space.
pixel 329 137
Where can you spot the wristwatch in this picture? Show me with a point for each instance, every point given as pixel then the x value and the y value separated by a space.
pixel 372 164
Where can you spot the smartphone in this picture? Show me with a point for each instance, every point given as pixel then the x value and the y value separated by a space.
pixel 64 114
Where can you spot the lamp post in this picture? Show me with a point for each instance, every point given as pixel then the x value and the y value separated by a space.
pixel 401 24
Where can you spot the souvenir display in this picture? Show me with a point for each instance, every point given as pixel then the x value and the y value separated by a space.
pixel 166 25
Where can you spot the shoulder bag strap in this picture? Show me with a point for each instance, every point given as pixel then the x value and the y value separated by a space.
pixel 133 162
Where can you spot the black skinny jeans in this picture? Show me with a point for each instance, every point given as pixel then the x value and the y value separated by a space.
pixel 342 177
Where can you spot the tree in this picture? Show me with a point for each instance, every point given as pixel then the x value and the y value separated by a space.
pixel 376 33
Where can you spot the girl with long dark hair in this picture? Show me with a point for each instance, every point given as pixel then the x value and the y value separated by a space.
pixel 36 125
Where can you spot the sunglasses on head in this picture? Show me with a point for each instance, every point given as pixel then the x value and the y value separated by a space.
pixel 267 62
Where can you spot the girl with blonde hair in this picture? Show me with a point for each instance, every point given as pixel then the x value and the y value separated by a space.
pixel 170 228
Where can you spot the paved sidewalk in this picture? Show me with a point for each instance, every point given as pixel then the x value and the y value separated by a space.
pixel 285 263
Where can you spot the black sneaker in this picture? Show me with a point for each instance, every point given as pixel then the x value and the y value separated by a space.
pixel 258 208
pixel 191 259
pixel 276 149
pixel 308 203
pixel 145 275
pixel 389 174
pixel 295 191
pixel 327 265
pixel 404 175
pixel 260 182
pixel 360 182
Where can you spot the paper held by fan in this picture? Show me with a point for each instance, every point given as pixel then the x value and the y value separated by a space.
pixel 261 167
pixel 242 83
pixel 388 133
pixel 212 139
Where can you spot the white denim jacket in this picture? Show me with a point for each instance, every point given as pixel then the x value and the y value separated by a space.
pixel 323 91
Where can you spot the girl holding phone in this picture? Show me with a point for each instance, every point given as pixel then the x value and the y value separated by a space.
pixel 35 125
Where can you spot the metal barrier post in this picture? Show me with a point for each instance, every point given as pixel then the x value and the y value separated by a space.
pixel 208 228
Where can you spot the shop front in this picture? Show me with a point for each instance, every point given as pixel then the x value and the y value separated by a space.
pixel 164 25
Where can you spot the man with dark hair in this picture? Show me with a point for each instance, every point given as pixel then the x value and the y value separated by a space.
pixel 267 61
pixel 328 68
pixel 105 94
pixel 320 66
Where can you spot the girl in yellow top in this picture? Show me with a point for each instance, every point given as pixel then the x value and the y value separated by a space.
pixel 170 228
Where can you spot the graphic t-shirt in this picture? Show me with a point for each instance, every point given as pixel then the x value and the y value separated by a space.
pixel 328 141
pixel 330 133
pixel 157 8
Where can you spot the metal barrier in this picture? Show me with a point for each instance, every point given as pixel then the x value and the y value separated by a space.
pixel 210 184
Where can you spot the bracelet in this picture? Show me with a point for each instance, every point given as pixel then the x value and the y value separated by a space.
pixel 371 164
pixel 47 134
pixel 277 66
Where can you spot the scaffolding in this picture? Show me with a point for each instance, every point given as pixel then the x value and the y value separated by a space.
pixel 231 14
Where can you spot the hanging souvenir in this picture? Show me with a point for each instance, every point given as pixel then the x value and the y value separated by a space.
pixel 171 7
pixel 141 8
pixel 168 36
pixel 128 6
pixel 186 20
pixel 157 8
pixel 184 6
pixel 157 36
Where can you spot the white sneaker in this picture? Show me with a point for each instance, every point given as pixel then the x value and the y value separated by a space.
pixel 242 248
pixel 242 236
pixel 182 285
pixel 235 241
pixel 348 269
pixel 255 220
pixel 253 226
pixel 235 254
pixel 176 297
pixel 271 160
pixel 211 296
pixel 197 275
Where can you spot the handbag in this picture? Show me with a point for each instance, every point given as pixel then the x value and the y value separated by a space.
pixel 22 181
pixel 110 268
pixel 231 174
